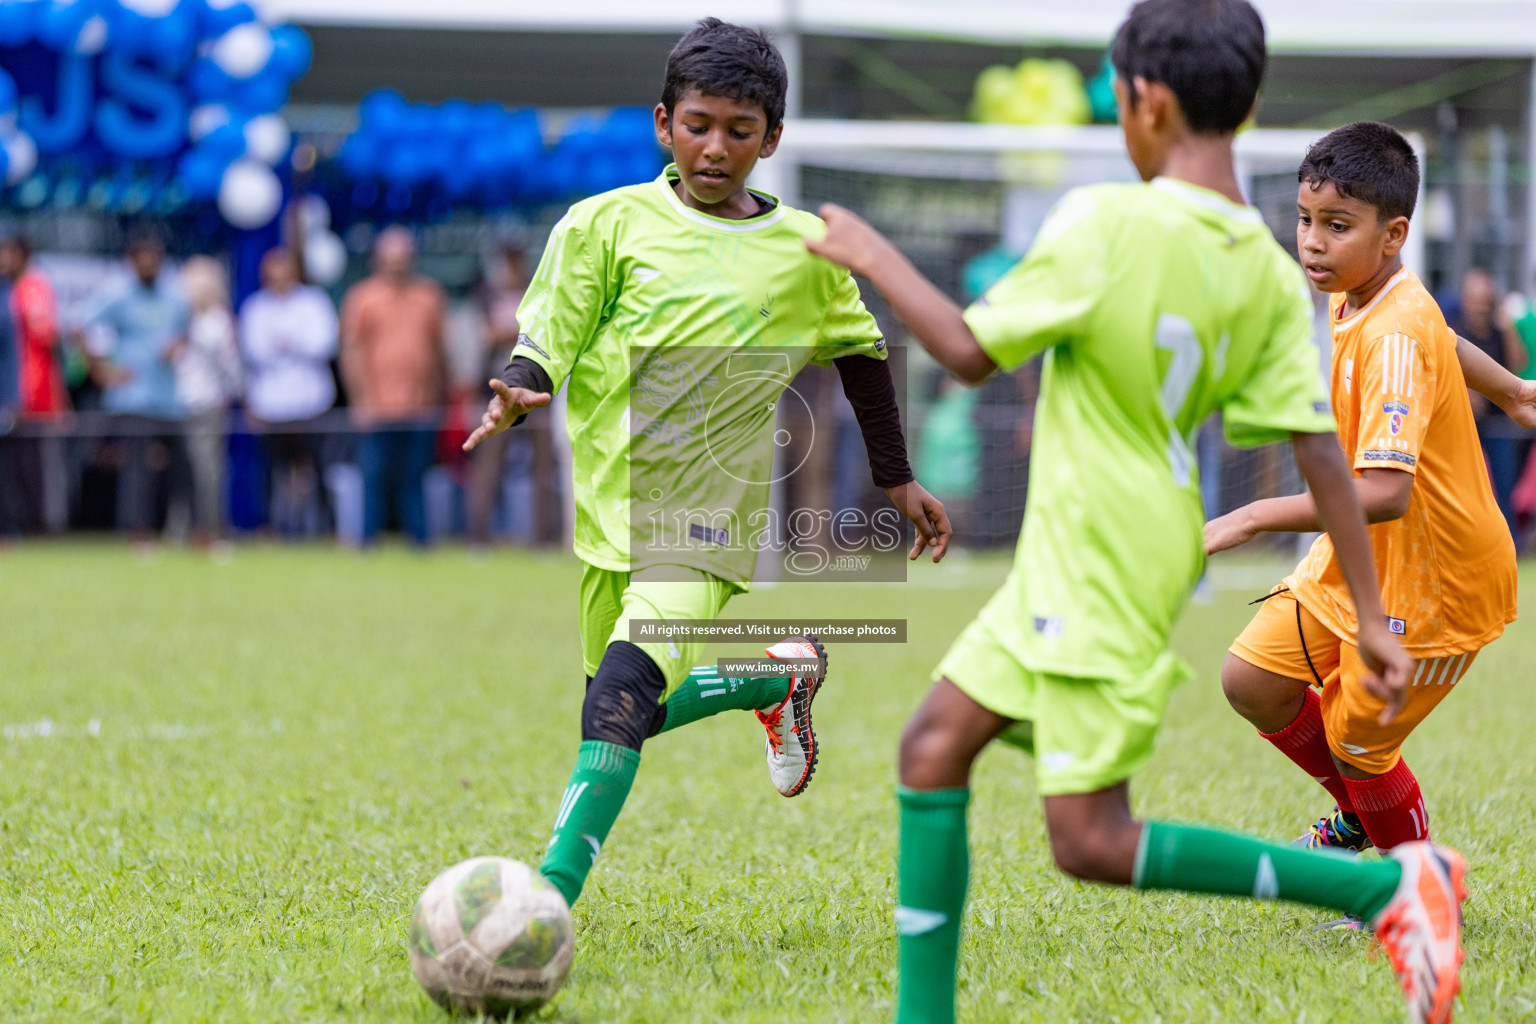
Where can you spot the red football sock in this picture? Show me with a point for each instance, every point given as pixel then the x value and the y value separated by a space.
pixel 1391 807
pixel 1303 742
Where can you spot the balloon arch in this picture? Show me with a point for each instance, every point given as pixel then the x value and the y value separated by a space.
pixel 168 101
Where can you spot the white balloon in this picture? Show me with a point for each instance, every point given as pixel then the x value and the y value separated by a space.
pixel 325 258
pixel 92 38
pixel 150 8
pixel 206 118
pixel 267 138
pixel 249 194
pixel 244 50
pixel 315 215
pixel 21 157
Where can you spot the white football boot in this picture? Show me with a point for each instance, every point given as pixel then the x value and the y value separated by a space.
pixel 792 747
pixel 1421 929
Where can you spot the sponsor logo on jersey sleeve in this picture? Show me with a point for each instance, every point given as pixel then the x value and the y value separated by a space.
pixel 1398 626
pixel 1386 456
pixel 1050 627
pixel 709 535
pixel 524 341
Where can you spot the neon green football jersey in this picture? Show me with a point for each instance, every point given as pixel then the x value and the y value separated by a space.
pixel 1154 305
pixel 678 335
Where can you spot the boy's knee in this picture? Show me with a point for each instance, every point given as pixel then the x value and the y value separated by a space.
pixel 929 755
pixel 1093 854
pixel 1234 686
pixel 1255 694
pixel 623 698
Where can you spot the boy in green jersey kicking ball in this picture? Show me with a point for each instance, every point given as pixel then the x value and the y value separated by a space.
pixel 676 313
pixel 1155 305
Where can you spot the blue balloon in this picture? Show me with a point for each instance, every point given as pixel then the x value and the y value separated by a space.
pixel 489 118
pixel 456 120
pixel 19 21
pixel 227 141
pixel 175 36
pixel 217 21
pixel 381 112
pixel 208 82
pixel 132 33
pixel 266 93
pixel 60 24
pixel 360 156
pixel 7 92
pixel 632 124
pixel 200 172
pixel 459 180
pixel 405 165
pixel 292 52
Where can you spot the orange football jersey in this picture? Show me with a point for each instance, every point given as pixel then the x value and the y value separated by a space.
pixel 1447 567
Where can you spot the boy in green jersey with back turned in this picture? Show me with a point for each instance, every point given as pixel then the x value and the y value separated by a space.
pixel 1154 305
pixel 676 313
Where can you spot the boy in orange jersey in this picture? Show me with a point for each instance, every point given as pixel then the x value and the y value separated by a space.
pixel 1444 556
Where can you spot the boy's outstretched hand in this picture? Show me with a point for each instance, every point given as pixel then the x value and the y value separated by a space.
pixel 1228 531
pixel 506 405
pixel 850 241
pixel 1390 668
pixel 1522 408
pixel 927 514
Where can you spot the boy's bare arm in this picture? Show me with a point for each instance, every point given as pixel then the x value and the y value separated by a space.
pixel 1383 496
pixel 1322 464
pixel 1485 376
pixel 928 313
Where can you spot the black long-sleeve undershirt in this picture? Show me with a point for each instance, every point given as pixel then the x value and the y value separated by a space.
pixel 867 384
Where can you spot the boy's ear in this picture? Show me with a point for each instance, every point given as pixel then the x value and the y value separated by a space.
pixel 771 143
pixel 1157 98
pixel 1396 236
pixel 663 125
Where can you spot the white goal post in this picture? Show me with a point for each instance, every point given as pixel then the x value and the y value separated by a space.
pixel 981 151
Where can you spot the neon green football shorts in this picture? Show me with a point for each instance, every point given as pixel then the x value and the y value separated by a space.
pixel 609 599
pixel 1085 734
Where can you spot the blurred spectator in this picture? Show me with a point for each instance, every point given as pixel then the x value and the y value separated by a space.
pixel 526 455
pixel 1481 320
pixel 207 382
pixel 10 402
pixel 136 330
pixel 289 333
pixel 39 469
pixel 394 366
pixel 1520 311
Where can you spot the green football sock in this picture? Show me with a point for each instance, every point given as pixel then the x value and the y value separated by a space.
pixel 931 878
pixel 593 798
pixel 705 692
pixel 1195 859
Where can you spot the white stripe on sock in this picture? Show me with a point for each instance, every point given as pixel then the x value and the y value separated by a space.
pixel 568 805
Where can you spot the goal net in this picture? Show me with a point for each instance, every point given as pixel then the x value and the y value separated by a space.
pixel 963 202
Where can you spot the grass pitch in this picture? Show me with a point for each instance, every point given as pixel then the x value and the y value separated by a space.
pixel 224 787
